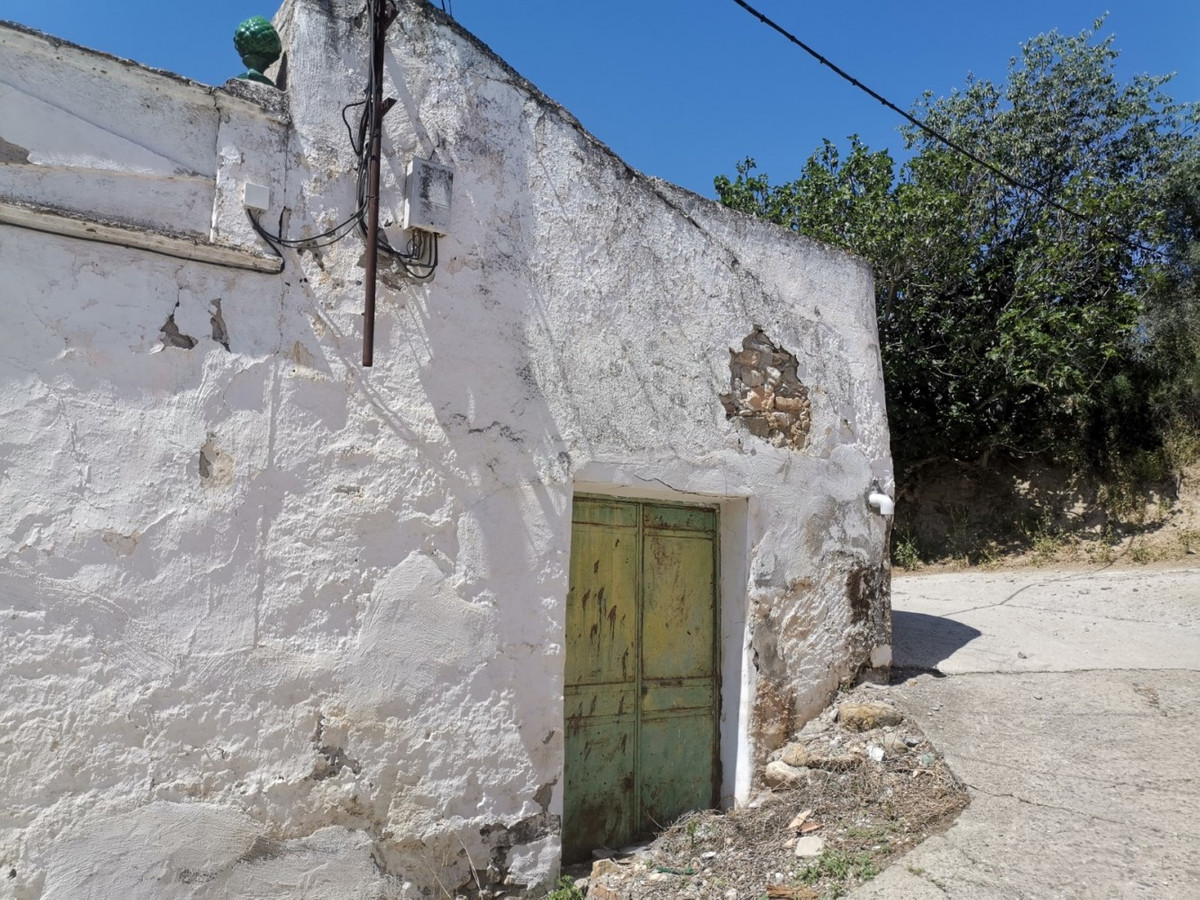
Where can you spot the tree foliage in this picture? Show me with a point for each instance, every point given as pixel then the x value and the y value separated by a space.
pixel 1007 323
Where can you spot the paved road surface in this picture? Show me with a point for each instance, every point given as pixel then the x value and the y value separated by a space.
pixel 1069 703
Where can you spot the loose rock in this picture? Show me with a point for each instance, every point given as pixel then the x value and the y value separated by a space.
pixel 835 763
pixel 894 744
pixel 795 755
pixel 798 822
pixel 780 774
pixel 606 866
pixel 808 847
pixel 865 716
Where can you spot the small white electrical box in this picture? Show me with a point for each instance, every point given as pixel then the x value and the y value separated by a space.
pixel 256 197
pixel 427 196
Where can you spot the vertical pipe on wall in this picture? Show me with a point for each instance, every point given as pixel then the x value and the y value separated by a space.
pixel 379 24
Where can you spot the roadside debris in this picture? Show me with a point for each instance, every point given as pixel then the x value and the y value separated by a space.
pixel 855 789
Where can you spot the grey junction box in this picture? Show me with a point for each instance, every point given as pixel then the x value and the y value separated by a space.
pixel 428 187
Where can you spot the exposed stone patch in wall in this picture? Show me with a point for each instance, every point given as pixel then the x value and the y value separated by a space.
pixel 767 396
pixel 772 723
pixel 543 794
pixel 793 630
pixel 173 337
pixel 859 592
pixel 868 592
pixel 122 544
pixel 215 465
pixel 868 597
pixel 511 848
pixel 773 700
pixel 331 758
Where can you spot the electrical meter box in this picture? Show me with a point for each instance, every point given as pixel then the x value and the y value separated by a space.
pixel 427 196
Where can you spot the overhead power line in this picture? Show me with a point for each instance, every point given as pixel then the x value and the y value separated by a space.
pixel 941 138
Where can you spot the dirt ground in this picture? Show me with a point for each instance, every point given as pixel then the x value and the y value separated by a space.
pixel 856 788
pixel 1011 514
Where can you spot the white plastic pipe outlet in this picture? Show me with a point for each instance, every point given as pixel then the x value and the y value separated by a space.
pixel 882 502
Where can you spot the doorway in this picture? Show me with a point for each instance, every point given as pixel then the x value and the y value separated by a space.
pixel 642 691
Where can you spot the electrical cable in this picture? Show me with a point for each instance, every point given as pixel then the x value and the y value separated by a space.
pixel 941 138
pixel 316 240
pixel 278 242
pixel 420 259
pixel 262 232
pixel 350 128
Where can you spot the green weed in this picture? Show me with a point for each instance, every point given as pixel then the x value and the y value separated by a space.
pixel 905 553
pixel 1188 539
pixel 1181 448
pixel 565 890
pixel 1141 554
pixel 838 865
pixel 1043 539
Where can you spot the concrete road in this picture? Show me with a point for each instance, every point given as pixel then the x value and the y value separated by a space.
pixel 1069 703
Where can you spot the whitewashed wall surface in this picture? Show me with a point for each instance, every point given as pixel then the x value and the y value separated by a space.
pixel 276 625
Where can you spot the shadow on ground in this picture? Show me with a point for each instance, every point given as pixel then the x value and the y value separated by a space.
pixel 920 642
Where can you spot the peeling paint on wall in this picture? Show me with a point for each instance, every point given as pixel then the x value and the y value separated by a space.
pixel 214 465
pixel 220 333
pixel 12 153
pixel 173 337
pixel 122 544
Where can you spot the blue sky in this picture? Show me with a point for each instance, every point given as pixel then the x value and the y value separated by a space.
pixel 684 89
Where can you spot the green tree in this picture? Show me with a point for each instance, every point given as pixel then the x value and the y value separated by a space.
pixel 1007 323
pixel 1172 323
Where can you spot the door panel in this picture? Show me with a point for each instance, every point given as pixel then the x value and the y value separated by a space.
pixel 599 809
pixel 601 678
pixel 675 766
pixel 678 734
pixel 602 601
pixel 677 622
pixel 641 670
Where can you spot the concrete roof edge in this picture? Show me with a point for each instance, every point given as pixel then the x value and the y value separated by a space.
pixel 257 101
pixel 714 207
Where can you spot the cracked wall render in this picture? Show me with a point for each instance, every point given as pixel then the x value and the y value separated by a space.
pixel 271 618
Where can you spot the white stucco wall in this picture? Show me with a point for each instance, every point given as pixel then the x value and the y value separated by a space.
pixel 276 625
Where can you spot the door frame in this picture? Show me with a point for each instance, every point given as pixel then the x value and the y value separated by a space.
pixel 736 669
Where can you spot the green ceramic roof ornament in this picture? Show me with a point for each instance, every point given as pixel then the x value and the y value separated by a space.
pixel 258 45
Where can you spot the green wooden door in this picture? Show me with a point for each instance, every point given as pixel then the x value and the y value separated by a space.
pixel 642 686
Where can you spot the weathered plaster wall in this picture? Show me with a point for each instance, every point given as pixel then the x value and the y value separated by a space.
pixel 90 134
pixel 275 625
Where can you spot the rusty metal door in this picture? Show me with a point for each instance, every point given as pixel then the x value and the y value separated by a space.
pixel 642 687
